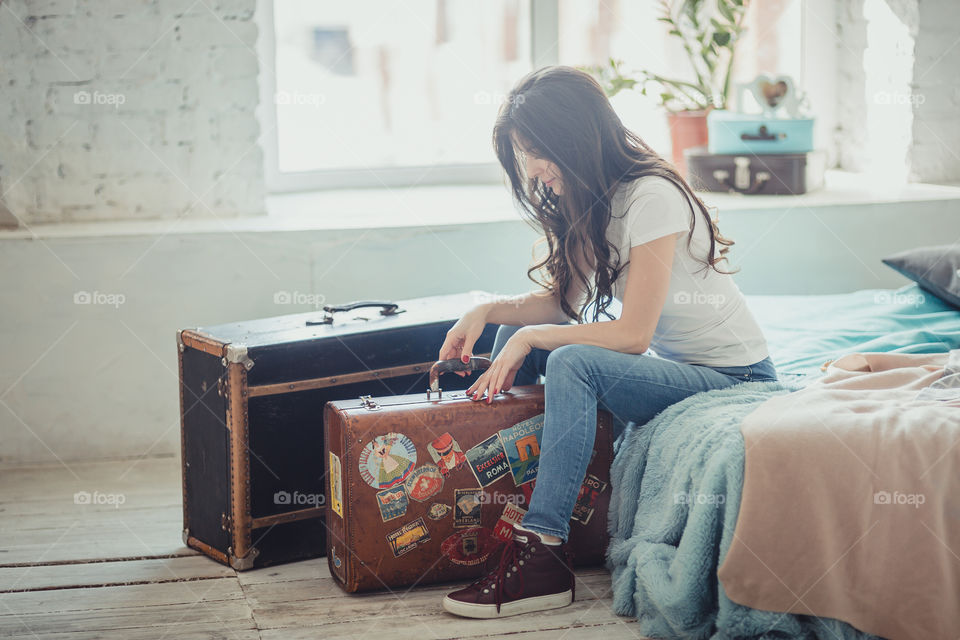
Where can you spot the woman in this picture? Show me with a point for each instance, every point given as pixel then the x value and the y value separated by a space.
pixel 619 222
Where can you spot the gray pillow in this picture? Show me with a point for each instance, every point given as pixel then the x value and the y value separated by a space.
pixel 935 269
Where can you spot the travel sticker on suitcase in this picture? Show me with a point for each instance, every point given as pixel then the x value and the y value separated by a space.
pixel 424 482
pixel 521 442
pixel 392 503
pixel 387 460
pixel 469 547
pixel 488 461
pixel 336 485
pixel 446 453
pixel 590 490
pixel 407 537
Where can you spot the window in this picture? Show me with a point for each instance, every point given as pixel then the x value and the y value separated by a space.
pixel 375 93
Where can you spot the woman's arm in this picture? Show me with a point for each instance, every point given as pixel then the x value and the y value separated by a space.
pixel 537 307
pixel 648 280
pixel 534 308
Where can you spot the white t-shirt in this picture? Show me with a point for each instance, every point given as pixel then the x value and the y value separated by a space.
pixel 705 319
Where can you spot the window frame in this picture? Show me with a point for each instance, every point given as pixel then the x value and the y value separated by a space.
pixel 544 26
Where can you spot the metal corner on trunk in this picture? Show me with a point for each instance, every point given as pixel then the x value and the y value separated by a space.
pixel 246 562
pixel 237 353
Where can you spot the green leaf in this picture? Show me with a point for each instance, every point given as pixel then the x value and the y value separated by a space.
pixel 722 38
pixel 726 11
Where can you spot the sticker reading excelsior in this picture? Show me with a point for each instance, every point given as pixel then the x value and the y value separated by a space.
pixel 488 461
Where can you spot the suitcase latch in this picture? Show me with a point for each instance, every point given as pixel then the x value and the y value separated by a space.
pixel 741 175
pixel 368 403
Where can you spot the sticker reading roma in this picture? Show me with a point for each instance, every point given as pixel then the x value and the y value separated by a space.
pixel 387 460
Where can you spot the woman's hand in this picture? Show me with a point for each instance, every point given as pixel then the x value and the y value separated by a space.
pixel 463 335
pixel 500 374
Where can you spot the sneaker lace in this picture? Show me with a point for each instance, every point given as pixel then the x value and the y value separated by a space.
pixel 496 578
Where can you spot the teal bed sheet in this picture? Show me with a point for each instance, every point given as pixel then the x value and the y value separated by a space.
pixel 805 331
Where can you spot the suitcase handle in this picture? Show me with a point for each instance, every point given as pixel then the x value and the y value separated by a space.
pixel 389 309
pixel 476 363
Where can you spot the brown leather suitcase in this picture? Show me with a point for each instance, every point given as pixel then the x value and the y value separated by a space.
pixel 422 485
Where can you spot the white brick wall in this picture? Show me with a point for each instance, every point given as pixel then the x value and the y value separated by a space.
pixel 933 154
pixel 183 138
pixel 120 109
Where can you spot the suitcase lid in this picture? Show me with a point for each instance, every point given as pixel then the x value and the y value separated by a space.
pixel 726 115
pixel 370 404
pixel 294 328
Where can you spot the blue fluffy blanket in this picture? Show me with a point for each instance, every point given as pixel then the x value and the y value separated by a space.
pixel 676 484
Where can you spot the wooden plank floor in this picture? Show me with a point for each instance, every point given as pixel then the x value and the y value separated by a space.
pixel 116 568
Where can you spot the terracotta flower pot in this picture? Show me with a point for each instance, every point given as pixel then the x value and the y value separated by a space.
pixel 687 129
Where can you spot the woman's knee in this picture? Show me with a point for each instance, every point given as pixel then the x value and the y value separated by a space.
pixel 569 359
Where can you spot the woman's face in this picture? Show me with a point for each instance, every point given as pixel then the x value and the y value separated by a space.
pixel 541 168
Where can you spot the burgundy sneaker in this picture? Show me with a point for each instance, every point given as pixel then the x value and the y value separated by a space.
pixel 531 576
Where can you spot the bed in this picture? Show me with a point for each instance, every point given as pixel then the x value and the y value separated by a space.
pixel 665 551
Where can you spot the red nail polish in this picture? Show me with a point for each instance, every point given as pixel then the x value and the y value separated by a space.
pixel 465 359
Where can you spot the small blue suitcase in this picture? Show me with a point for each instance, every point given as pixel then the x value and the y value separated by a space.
pixel 731 132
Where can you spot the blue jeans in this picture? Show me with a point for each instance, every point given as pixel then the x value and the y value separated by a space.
pixel 579 379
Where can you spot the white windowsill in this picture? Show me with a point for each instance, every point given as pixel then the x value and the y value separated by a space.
pixel 456 205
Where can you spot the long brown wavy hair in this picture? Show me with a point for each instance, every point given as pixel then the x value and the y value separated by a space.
pixel 561 114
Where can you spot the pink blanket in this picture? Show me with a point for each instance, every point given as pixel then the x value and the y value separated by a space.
pixel 851 500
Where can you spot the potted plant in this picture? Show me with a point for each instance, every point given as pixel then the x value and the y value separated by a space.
pixel 709 31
